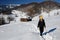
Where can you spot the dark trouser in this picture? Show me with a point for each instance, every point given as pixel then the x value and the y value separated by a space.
pixel 41 30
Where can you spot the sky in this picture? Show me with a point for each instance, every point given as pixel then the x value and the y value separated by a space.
pixel 20 1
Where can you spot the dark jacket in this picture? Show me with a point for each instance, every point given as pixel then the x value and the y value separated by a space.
pixel 41 23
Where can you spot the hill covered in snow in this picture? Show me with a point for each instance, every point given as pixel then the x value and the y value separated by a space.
pixel 28 30
pixel 49 8
pixel 34 8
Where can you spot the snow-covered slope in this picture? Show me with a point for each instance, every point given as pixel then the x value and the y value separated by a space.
pixel 28 30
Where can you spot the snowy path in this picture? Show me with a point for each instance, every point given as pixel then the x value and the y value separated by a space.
pixel 20 31
pixel 25 31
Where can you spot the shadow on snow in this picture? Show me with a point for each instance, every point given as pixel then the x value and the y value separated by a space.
pixel 51 30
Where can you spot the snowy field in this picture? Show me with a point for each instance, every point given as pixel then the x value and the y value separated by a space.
pixel 29 31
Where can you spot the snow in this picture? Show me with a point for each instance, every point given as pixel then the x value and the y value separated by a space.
pixel 45 14
pixel 6 18
pixel 29 31
pixel 20 15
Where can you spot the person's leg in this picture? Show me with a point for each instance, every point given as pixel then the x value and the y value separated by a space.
pixel 41 31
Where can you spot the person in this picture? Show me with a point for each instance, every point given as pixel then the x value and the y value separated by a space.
pixel 41 25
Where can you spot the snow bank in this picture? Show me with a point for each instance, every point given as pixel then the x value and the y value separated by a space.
pixel 20 15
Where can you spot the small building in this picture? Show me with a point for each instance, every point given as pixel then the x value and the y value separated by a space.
pixel 26 19
pixel 23 19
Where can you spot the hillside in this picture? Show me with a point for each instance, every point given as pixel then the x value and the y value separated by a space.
pixel 35 8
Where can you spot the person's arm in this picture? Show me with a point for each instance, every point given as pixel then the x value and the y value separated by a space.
pixel 44 23
pixel 38 24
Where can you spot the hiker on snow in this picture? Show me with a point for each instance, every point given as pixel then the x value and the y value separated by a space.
pixel 41 24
